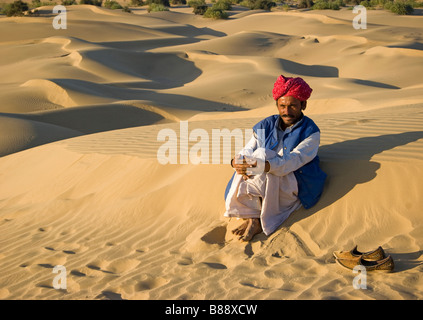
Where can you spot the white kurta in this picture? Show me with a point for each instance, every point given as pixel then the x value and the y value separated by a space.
pixel 271 196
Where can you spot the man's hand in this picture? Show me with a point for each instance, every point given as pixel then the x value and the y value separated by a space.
pixel 240 164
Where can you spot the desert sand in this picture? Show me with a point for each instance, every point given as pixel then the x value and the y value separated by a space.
pixel 82 187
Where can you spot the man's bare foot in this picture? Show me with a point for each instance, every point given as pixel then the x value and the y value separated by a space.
pixel 239 231
pixel 253 228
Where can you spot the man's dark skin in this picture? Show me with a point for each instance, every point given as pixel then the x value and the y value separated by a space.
pixel 290 110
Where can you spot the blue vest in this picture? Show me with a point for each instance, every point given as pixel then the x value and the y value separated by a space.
pixel 310 177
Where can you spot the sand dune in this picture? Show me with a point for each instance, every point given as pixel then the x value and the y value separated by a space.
pixel 19 134
pixel 82 187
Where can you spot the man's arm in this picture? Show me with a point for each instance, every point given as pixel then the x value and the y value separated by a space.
pixel 250 147
pixel 301 155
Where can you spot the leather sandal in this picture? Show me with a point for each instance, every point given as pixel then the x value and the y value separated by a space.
pixel 354 254
pixel 384 265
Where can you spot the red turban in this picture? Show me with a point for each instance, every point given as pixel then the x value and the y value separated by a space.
pixel 295 87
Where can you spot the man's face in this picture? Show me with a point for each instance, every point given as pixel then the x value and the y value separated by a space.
pixel 290 110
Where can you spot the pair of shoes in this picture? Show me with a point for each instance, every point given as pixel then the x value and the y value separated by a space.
pixel 354 254
pixel 384 265
pixel 375 260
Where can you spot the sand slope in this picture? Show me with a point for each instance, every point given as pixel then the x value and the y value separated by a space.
pixel 81 185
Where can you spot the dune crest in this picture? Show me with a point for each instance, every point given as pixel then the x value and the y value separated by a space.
pixel 54 92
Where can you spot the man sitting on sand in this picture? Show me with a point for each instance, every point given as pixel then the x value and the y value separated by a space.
pixel 278 170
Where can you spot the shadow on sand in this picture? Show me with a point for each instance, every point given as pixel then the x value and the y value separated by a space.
pixel 347 164
pixel 346 171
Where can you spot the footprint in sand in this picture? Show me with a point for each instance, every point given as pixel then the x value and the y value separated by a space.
pixel 64 251
pixel 185 261
pixel 40 233
pixel 67 248
pixel 44 229
pixel 215 265
pixel 150 283
pixel 67 232
pixel 98 265
pixel 45 284
pixel 122 265
pixel 114 267
pixel 110 295
pixel 77 273
pixel 51 262
pixel 215 236
pixel 46 265
pixel 6 220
